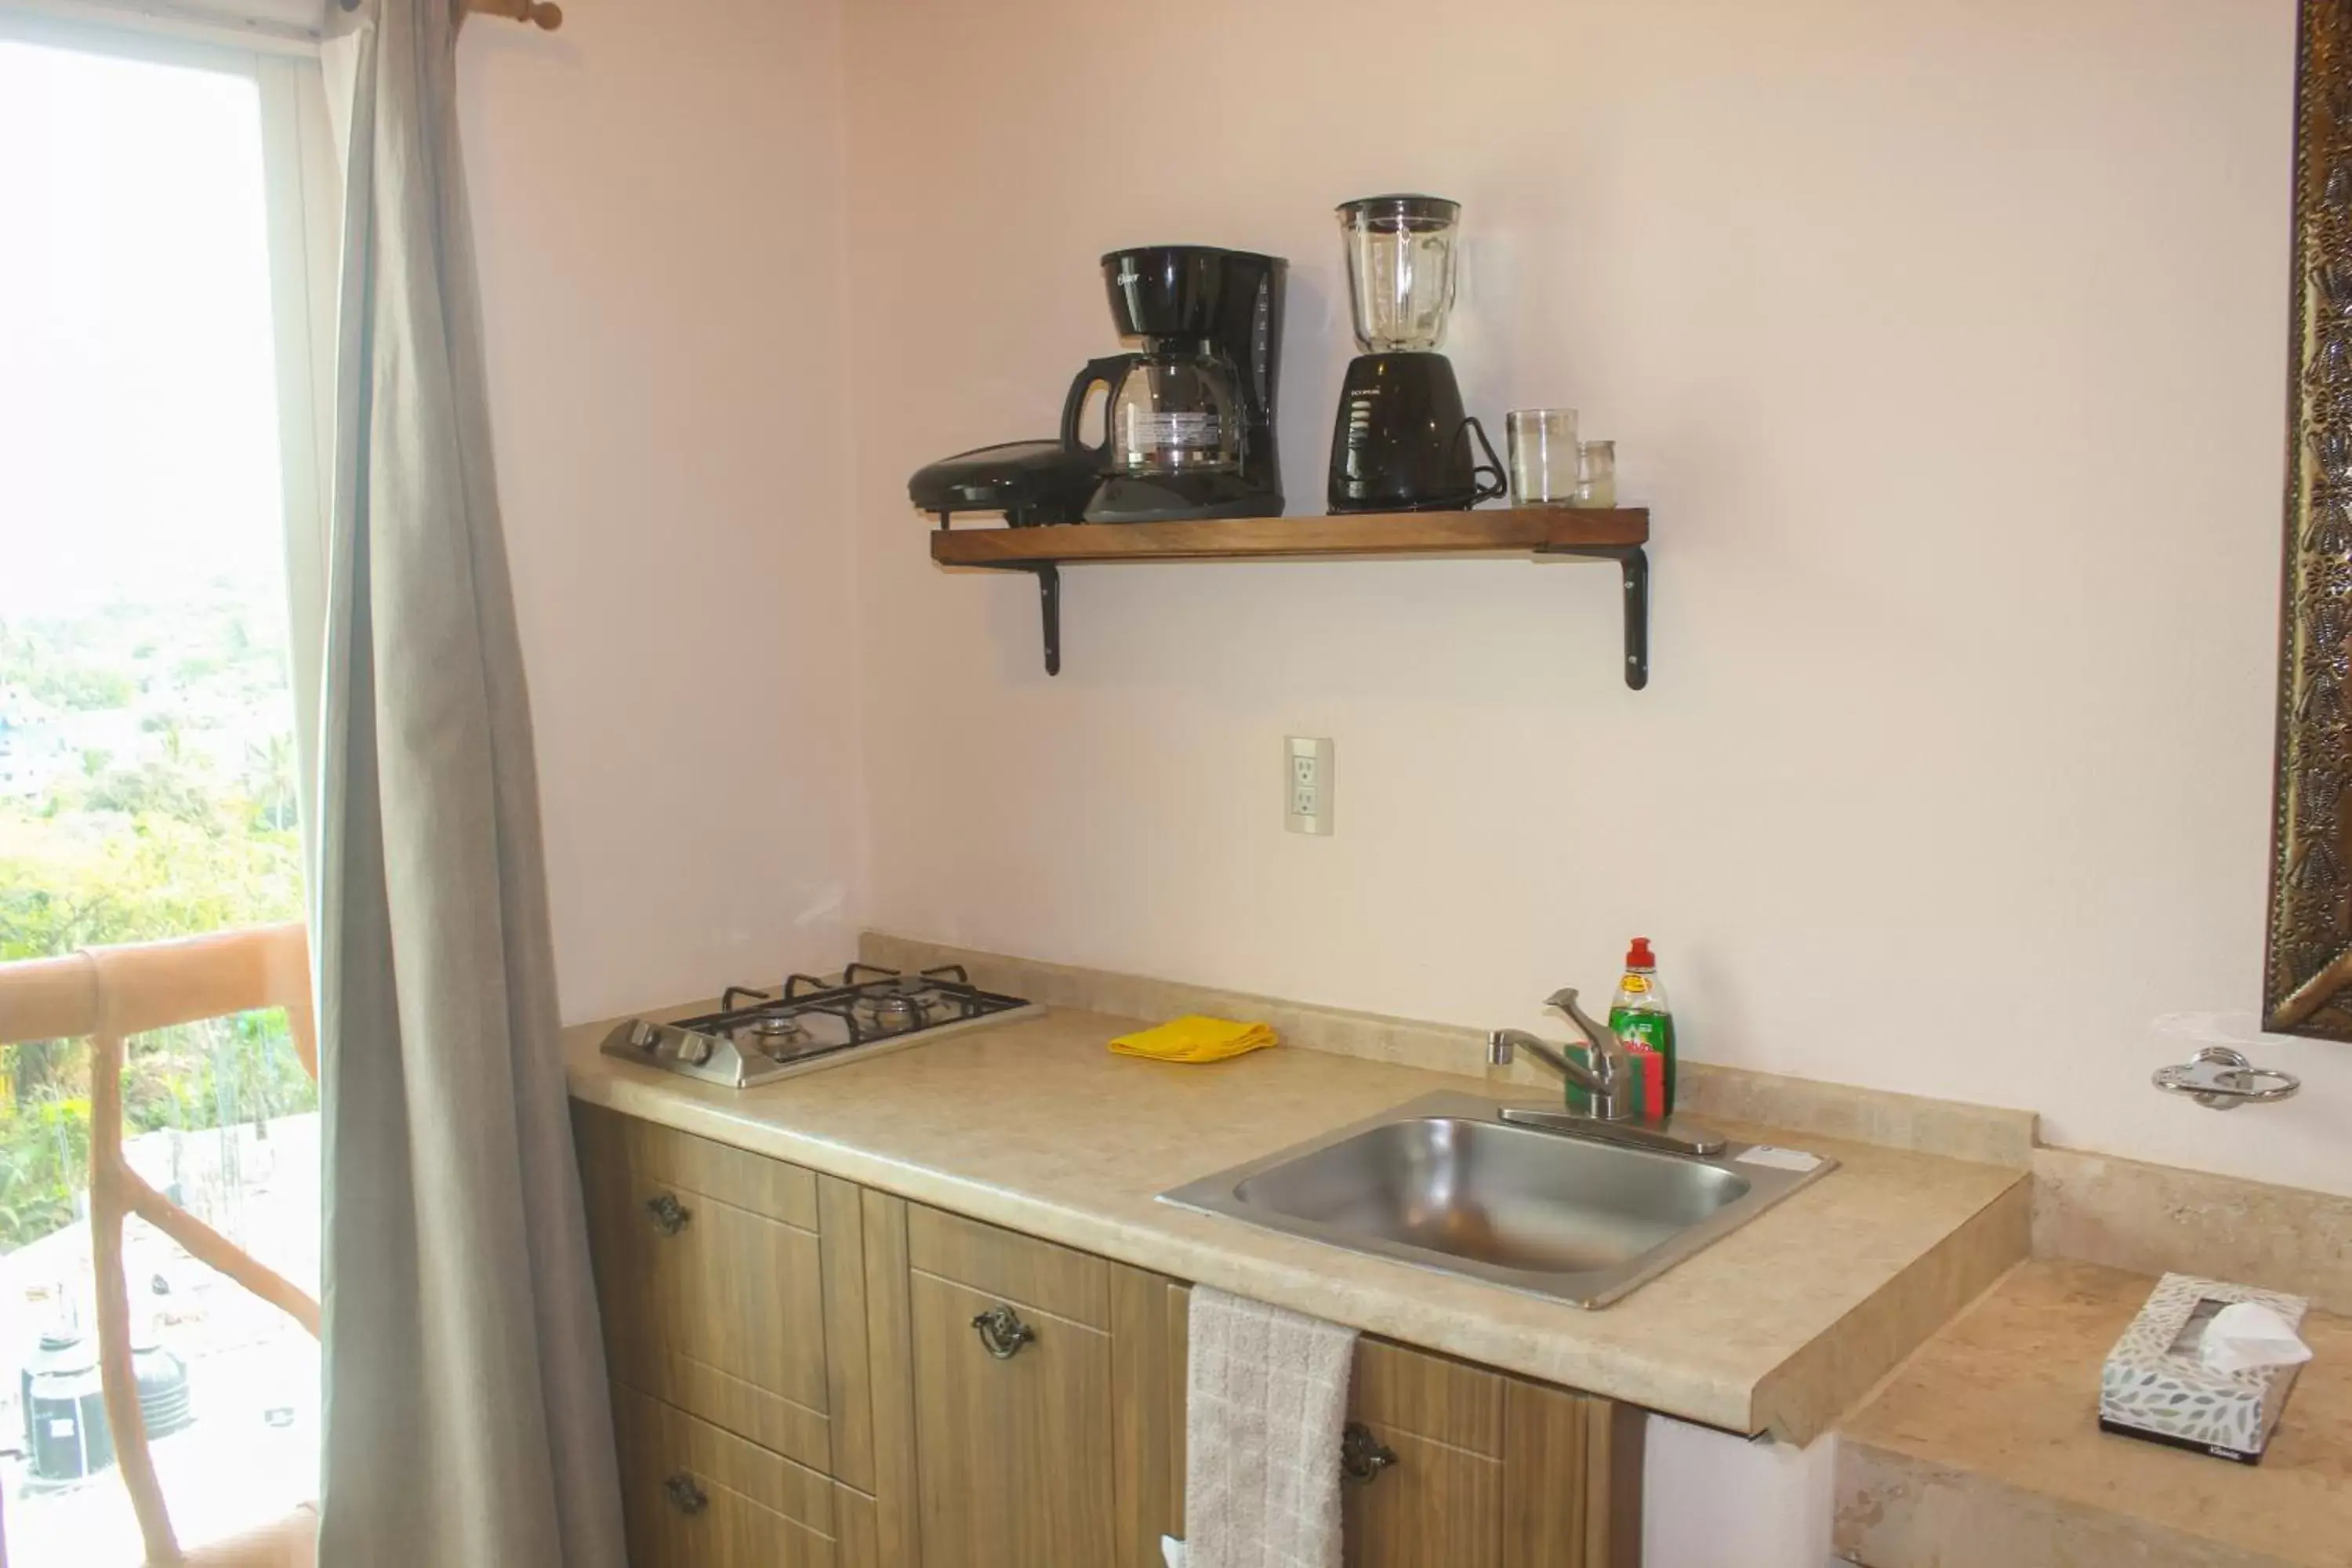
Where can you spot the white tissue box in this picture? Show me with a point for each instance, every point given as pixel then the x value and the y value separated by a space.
pixel 2155 1384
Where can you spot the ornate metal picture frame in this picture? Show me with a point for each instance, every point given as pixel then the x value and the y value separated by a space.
pixel 2307 965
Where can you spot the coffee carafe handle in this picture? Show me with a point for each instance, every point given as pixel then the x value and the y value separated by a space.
pixel 1107 372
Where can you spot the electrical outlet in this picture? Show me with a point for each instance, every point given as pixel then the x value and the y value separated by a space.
pixel 1307 765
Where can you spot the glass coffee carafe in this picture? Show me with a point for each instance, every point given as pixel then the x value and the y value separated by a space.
pixel 1175 414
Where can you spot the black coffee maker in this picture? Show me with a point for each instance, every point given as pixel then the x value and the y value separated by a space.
pixel 1189 422
pixel 1403 440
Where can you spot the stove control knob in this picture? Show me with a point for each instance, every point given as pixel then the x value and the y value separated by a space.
pixel 644 1036
pixel 693 1049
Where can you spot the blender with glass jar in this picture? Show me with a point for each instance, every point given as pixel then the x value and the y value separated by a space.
pixel 1402 441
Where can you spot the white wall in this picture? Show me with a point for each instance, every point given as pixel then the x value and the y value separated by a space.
pixel 1947 341
pixel 658 200
pixel 1713 1500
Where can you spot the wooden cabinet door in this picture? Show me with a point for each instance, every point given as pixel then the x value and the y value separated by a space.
pixel 711 1303
pixel 1148 1330
pixel 1014 1433
pixel 1422 1466
pixel 1457 1465
pixel 1472 1465
pixel 1013 1453
pixel 1432 1504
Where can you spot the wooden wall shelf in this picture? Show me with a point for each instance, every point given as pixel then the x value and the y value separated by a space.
pixel 1617 534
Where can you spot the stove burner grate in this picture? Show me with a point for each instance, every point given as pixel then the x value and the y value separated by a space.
pixel 871 1004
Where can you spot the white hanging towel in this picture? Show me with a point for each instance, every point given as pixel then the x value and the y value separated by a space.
pixel 1267 1400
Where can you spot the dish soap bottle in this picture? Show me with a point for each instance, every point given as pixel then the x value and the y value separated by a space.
pixel 1638 1016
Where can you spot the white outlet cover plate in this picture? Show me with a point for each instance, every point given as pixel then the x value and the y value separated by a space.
pixel 1307 784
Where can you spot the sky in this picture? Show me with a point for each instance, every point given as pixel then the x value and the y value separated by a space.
pixel 137 398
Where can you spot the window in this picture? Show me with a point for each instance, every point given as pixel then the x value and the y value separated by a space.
pixel 157 436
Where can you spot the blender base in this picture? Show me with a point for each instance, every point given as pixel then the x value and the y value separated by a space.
pixel 1402 441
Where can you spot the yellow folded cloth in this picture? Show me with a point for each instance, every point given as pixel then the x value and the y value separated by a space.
pixel 1195 1040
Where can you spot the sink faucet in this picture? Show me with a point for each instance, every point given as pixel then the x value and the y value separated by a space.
pixel 1607 1082
pixel 1608 1115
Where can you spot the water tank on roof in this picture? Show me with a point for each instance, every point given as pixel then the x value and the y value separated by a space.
pixel 66 1429
pixel 64 1410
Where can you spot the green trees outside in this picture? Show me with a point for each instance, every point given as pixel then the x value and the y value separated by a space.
pixel 30 660
pixel 116 850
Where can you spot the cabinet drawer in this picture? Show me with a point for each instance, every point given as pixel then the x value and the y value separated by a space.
pixel 676 1159
pixel 1004 1263
pixel 709 1305
pixel 695 1497
pixel 1394 1388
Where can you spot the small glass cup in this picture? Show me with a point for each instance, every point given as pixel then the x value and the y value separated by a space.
pixel 1596 473
pixel 1543 455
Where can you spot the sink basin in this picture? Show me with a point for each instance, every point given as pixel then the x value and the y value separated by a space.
pixel 1443 1183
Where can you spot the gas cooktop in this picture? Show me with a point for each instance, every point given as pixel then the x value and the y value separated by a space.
pixel 807 1024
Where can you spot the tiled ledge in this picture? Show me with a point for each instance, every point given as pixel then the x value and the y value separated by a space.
pixel 1957 1130
pixel 1984 1451
pixel 2153 1218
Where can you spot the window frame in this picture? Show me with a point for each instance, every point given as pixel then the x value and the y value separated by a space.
pixel 302 181
pixel 302 204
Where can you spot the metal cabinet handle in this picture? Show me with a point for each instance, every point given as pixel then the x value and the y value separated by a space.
pixel 684 1494
pixel 1003 1332
pixel 1362 1457
pixel 2223 1079
pixel 669 1216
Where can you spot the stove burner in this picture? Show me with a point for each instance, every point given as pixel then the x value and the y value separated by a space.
pixel 758 1034
pixel 892 1011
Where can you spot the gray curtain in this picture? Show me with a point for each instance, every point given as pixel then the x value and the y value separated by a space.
pixel 466 1423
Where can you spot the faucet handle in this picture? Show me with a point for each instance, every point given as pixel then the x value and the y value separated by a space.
pixel 1601 1046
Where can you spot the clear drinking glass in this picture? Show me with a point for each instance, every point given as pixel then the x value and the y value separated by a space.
pixel 1400 270
pixel 1543 455
pixel 1596 473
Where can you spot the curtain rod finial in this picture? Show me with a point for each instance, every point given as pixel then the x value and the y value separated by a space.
pixel 543 14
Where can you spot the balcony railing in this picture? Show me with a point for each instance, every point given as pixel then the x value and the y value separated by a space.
pixel 108 994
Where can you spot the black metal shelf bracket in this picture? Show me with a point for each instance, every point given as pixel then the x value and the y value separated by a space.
pixel 1049 603
pixel 1635 563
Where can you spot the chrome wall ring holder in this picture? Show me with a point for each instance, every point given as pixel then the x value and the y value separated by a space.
pixel 2223 1079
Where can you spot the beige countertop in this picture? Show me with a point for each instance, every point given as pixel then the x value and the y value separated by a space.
pixel 1032 1124
pixel 1985 1450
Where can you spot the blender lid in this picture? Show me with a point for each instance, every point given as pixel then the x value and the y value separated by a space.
pixel 1413 213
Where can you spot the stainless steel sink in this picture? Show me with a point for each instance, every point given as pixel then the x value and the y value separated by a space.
pixel 1444 1182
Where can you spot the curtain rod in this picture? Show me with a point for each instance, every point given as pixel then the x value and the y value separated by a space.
pixel 544 13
